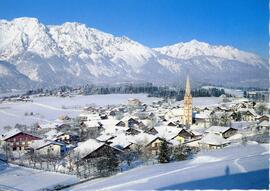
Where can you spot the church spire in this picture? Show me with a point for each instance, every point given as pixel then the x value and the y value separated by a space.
pixel 187 92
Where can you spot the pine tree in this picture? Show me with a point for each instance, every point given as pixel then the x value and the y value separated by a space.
pixel 164 154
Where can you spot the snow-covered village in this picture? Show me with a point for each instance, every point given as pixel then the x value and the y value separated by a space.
pixel 134 95
pixel 102 141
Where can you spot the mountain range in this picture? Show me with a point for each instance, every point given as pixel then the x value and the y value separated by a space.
pixel 33 55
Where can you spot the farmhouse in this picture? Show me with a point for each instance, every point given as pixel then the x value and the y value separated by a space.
pixel 48 148
pixel 18 140
pixel 213 141
pixel 225 132
pixel 93 149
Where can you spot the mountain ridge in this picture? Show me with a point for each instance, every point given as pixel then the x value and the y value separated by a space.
pixel 74 54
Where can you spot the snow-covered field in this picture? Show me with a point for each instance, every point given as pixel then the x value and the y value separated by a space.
pixel 46 109
pixel 14 177
pixel 234 167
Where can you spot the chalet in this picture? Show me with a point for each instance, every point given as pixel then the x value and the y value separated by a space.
pixel 63 126
pixel 132 131
pixel 48 148
pixel 263 126
pixel 141 125
pixel 91 149
pixel 224 132
pixel 154 144
pixel 249 115
pixel 122 142
pixel 18 140
pixel 213 141
pixel 132 122
pixel 151 131
pixel 120 124
pixel 171 124
pixel 58 136
pixel 263 118
pixel 103 116
pixel 106 138
pixel 202 119
pixel 175 113
pixel 183 136
pixel 134 102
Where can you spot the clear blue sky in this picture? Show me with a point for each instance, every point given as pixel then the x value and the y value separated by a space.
pixel 239 23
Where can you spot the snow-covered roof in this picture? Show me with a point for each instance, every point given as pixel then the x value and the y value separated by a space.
pixel 37 144
pixel 264 123
pixel 121 141
pixel 213 139
pixel 127 117
pixel 143 138
pixel 235 137
pixel 252 111
pixel 203 115
pixel 167 132
pixel 217 129
pixel 87 147
pixel 11 133
pixel 104 137
pixel 53 134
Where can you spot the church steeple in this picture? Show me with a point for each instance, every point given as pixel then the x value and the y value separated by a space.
pixel 187 92
pixel 188 104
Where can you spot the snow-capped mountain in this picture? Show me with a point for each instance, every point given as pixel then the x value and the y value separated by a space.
pixel 72 54
pixel 195 48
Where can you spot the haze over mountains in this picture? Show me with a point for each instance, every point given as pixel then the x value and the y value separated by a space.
pixel 36 55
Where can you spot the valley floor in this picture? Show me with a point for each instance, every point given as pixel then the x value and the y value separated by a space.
pixel 235 167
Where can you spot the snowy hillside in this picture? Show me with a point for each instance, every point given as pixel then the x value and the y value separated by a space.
pixel 73 54
pixel 235 167
pixel 13 177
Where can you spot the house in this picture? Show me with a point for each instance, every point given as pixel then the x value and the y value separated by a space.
pixel 248 115
pixel 152 131
pixel 103 116
pixel 150 142
pixel 154 144
pixel 263 118
pixel 202 119
pixel 48 148
pixel 120 124
pixel 132 131
pixel 60 136
pixel 122 142
pixel 213 141
pixel 63 126
pixel 132 122
pixel 91 149
pixel 171 124
pixel 134 102
pixel 224 132
pixel 18 140
pixel 263 126
pixel 89 116
pixel 183 136
pixel 175 113
pixel 106 138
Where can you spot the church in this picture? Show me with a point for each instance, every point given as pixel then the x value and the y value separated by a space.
pixel 187 119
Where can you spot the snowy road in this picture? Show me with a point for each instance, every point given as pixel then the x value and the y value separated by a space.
pixel 242 163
